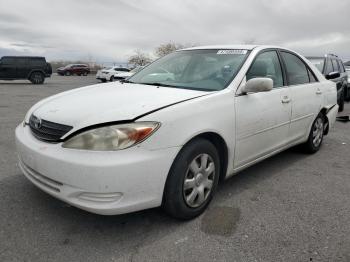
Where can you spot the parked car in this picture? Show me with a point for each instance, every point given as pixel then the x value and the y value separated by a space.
pixel 74 69
pixel 125 75
pixel 108 73
pixel 137 144
pixel 347 70
pixel 331 66
pixel 33 68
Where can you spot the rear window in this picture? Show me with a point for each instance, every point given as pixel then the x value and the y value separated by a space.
pixel 8 60
pixel 122 69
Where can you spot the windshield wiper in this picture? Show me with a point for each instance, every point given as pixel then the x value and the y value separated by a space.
pixel 126 81
pixel 158 84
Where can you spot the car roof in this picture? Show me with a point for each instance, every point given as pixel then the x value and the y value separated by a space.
pixel 321 57
pixel 36 57
pixel 315 57
pixel 244 47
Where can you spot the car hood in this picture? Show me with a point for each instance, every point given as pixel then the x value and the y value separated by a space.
pixel 107 103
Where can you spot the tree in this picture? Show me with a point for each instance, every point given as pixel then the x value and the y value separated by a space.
pixel 167 48
pixel 139 58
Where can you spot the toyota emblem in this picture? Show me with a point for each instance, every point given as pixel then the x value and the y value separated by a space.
pixel 37 122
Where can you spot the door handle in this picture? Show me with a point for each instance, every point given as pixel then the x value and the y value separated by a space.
pixel 286 100
pixel 318 92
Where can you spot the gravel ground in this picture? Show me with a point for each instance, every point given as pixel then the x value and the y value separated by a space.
pixel 291 207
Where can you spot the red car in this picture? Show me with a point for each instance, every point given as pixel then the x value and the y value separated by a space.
pixel 74 69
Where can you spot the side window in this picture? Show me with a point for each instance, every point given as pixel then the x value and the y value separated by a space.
pixel 297 73
pixel 329 66
pixel 268 65
pixel 341 66
pixel 36 62
pixel 335 65
pixel 7 60
pixel 22 61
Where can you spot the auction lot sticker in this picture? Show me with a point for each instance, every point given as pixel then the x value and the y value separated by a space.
pixel 232 52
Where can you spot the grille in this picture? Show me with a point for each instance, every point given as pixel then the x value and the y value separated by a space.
pixel 46 130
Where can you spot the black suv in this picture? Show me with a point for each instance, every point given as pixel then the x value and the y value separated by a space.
pixel 333 68
pixel 33 68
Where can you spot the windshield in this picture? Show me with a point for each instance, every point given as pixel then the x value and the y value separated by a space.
pixel 208 70
pixel 136 69
pixel 318 62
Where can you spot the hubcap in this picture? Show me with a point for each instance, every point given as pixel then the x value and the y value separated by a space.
pixel 199 180
pixel 317 132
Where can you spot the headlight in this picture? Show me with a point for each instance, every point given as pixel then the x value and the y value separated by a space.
pixel 111 138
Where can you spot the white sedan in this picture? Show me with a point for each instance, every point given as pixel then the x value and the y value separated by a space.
pixel 108 73
pixel 125 75
pixel 122 147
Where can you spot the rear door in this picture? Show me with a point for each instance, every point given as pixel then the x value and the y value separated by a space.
pixel 262 119
pixel 306 95
pixel 23 67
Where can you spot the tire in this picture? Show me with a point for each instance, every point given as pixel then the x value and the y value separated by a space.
pixel 67 73
pixel 341 102
pixel 103 80
pixel 85 73
pixel 111 79
pixel 312 145
pixel 188 169
pixel 37 78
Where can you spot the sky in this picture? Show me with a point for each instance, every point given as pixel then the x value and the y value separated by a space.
pixel 111 30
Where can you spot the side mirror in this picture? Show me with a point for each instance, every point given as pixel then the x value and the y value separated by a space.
pixel 259 84
pixel 333 75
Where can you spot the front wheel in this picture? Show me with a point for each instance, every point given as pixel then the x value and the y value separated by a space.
pixel 192 180
pixel 111 79
pixel 315 139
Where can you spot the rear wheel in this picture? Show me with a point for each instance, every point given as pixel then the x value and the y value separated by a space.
pixel 68 73
pixel 192 180
pixel 85 73
pixel 111 79
pixel 37 78
pixel 315 139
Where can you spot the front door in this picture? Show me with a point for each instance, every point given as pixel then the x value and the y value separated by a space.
pixel 262 119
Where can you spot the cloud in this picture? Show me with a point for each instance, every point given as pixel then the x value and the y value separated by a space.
pixel 110 30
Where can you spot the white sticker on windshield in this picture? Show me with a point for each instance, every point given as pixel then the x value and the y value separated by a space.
pixel 232 52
